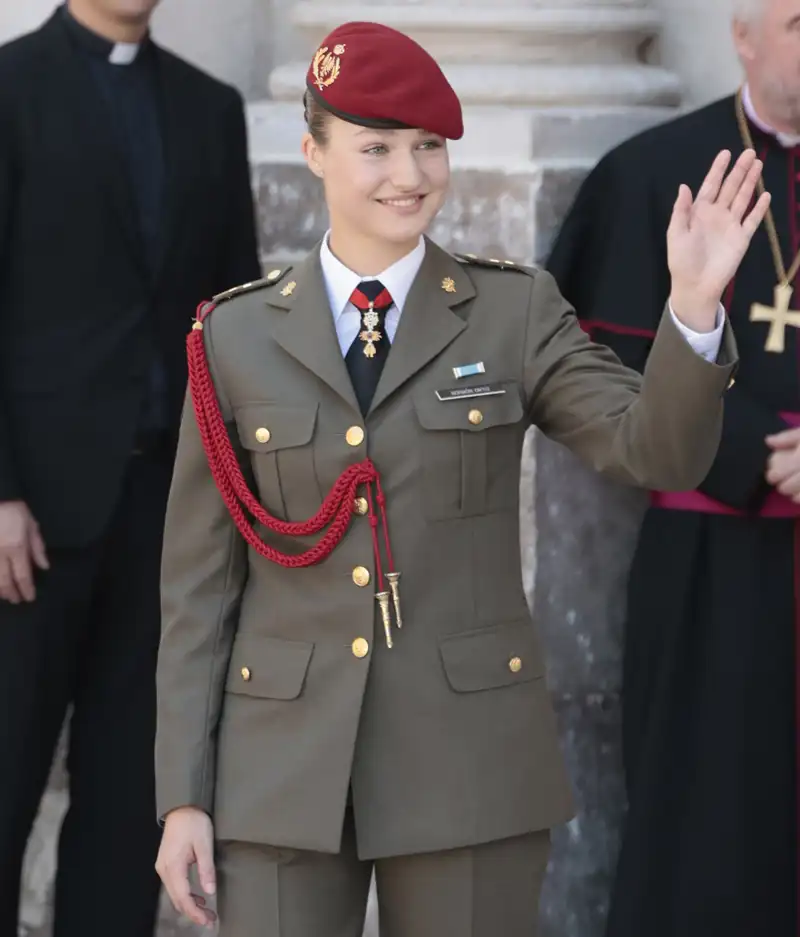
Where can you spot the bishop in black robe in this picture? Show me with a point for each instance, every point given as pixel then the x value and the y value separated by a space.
pixel 710 689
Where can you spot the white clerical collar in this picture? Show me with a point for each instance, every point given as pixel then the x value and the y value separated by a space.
pixel 117 53
pixel 787 140
pixel 124 53
pixel 340 281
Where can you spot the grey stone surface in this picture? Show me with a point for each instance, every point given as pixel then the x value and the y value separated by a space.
pixel 489 212
pixel 586 528
pixel 585 531
pixel 575 893
pixel 578 533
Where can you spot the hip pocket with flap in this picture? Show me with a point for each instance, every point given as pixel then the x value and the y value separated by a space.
pixel 279 440
pixel 488 658
pixel 267 667
pixel 470 452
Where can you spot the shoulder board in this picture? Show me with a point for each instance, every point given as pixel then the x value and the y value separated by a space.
pixel 273 277
pixel 476 261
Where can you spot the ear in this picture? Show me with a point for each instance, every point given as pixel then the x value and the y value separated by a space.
pixel 311 152
pixel 742 33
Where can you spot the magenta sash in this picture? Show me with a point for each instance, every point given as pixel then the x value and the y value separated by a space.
pixel 774 505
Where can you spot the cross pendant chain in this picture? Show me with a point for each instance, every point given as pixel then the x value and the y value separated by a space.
pixel 778 316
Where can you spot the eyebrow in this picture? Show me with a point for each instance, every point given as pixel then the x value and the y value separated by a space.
pixel 389 130
pixel 366 130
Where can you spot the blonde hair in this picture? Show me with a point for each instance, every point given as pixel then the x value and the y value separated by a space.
pixel 316 118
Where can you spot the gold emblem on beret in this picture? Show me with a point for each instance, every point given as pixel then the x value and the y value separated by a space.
pixel 449 285
pixel 326 66
pixel 288 289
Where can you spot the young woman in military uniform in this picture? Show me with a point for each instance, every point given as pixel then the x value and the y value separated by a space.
pixel 356 419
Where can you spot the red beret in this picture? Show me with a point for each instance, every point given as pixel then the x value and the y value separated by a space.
pixel 375 76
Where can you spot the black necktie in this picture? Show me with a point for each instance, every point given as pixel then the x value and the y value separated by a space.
pixel 367 355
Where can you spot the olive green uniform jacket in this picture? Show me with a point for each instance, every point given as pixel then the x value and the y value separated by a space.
pixel 276 688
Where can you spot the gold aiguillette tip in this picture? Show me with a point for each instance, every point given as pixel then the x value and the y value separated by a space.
pixel 394 585
pixel 383 601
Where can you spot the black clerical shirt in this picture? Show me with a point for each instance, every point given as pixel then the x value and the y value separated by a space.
pixel 127 78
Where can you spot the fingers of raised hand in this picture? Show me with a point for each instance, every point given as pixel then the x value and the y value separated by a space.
pixel 740 182
pixel 681 210
pixel 757 215
pixel 710 188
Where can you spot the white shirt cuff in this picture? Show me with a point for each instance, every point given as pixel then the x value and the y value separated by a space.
pixel 705 344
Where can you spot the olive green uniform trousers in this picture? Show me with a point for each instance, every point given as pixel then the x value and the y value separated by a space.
pixel 491 890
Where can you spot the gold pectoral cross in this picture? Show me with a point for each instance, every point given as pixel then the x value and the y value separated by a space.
pixel 779 316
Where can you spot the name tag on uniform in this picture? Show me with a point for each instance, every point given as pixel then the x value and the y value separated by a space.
pixel 465 393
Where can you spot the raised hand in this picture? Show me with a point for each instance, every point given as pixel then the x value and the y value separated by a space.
pixel 709 235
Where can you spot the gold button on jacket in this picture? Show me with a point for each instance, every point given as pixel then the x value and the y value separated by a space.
pixel 354 436
pixel 272 758
pixel 360 647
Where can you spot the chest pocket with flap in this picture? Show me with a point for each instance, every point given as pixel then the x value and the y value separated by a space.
pixel 470 452
pixel 279 441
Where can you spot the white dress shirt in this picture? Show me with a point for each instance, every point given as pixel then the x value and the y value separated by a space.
pixel 340 282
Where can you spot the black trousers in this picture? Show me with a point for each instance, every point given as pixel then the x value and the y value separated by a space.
pixel 90 640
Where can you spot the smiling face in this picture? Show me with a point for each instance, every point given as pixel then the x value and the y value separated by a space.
pixel 383 188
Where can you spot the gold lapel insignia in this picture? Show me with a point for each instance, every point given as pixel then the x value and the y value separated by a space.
pixel 449 285
pixel 289 288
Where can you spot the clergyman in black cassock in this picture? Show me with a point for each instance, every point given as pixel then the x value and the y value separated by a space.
pixel 710 657
pixel 125 200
